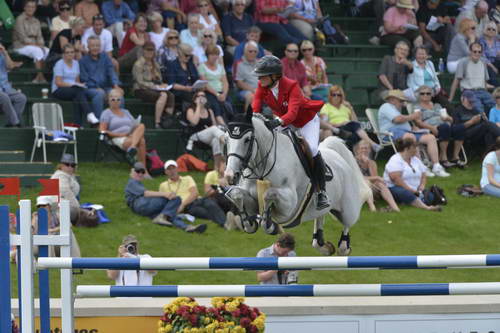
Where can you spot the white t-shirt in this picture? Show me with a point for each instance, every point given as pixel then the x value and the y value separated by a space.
pixel 491 158
pixel 106 39
pixel 187 38
pixel 135 278
pixel 157 39
pixel 211 23
pixel 410 176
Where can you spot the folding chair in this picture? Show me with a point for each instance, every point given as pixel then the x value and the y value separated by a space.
pixel 384 138
pixel 105 146
pixel 48 117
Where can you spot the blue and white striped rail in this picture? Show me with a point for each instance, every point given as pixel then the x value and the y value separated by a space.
pixel 426 289
pixel 282 263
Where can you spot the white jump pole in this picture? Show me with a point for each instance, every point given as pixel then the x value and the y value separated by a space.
pixel 67 302
pixel 27 267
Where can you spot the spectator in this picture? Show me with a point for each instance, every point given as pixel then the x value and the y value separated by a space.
pixel 160 206
pixel 148 86
pixel 130 249
pixel 61 21
pixel 97 29
pixel 191 6
pixel 97 73
pixel 204 128
pixel 478 130
pixel 391 120
pixel 235 25
pixel 182 74
pixel 125 131
pixel 315 70
pixel 66 85
pixel 71 36
pixel 268 19
pixel 283 247
pixel 207 20
pixel 394 71
pixel 435 26
pixel 306 17
pixel 170 12
pixel 253 34
pixel 131 48
pixel 207 38
pixel 368 167
pixel 490 175
pixel 218 87
pixel 472 75
pixel 400 25
pixel 491 46
pixel 185 188
pixel 27 39
pixel 190 35
pixel 494 115
pixel 158 32
pixel 435 118
pixel 295 70
pixel 87 9
pixel 478 14
pixel 405 175
pixel 460 44
pixel 245 79
pixel 494 14
pixel 45 10
pixel 338 113
pixel 12 101
pixel 118 17
pixel 169 51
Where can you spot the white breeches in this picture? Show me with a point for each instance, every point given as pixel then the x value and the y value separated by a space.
pixel 310 132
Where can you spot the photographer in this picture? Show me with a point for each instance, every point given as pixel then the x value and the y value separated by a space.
pixel 130 249
pixel 284 247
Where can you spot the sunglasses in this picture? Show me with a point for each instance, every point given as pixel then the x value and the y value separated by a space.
pixel 425 94
pixel 491 29
pixel 472 28
pixel 72 165
pixel 336 95
pixel 207 36
pixel 293 51
pixel 307 50
pixel 477 52
pixel 115 99
pixel 141 171
pixel 186 55
pixel 173 37
pixel 252 51
pixel 204 5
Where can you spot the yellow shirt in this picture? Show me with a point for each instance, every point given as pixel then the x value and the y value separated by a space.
pixel 180 187
pixel 336 115
pixel 212 178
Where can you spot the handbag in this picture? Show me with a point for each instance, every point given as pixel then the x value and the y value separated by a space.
pixel 469 191
pixel 434 196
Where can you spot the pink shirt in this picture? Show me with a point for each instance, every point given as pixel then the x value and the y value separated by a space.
pixel 396 19
pixel 295 70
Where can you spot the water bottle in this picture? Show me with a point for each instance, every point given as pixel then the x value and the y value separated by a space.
pixel 441 65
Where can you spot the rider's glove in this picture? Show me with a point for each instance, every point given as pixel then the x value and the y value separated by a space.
pixel 272 124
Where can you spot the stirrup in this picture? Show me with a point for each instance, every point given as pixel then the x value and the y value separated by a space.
pixel 323 201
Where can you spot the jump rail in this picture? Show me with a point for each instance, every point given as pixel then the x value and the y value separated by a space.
pixel 284 263
pixel 424 289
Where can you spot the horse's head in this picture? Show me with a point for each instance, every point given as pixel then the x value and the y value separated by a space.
pixel 240 142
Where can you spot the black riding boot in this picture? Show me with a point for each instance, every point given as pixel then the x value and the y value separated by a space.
pixel 319 175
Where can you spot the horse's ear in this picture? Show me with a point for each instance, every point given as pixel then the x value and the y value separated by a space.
pixel 249 114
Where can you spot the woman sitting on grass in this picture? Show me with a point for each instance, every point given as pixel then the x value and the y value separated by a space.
pixel 125 131
pixel 490 176
pixel 405 175
pixel 368 167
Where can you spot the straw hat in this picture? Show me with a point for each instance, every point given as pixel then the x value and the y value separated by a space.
pixel 408 4
pixel 395 93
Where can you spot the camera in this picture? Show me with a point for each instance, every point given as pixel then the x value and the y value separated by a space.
pixel 131 248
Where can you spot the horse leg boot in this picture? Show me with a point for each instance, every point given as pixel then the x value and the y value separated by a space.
pixel 319 175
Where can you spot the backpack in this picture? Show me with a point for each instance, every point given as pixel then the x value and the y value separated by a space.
pixel 434 196
pixel 154 164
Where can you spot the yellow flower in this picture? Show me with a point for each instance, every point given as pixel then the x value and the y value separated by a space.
pixel 206 320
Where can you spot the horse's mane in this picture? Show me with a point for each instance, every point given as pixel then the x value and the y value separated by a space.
pixel 260 116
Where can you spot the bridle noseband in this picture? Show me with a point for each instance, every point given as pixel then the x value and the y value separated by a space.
pixel 236 131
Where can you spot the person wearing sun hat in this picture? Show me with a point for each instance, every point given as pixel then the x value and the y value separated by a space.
pixel 391 120
pixel 160 206
pixel 69 188
pixel 400 24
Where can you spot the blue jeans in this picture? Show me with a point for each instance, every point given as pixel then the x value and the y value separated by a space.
pixel 492 190
pixel 77 95
pixel 286 33
pixel 483 102
pixel 151 207
pixel 206 208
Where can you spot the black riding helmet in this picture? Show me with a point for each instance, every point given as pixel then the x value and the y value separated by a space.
pixel 268 65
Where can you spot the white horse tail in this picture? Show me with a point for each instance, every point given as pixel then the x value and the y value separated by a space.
pixel 337 144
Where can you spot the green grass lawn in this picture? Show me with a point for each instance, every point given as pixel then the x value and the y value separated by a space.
pixel 466 226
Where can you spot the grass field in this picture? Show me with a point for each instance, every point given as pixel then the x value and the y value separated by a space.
pixel 466 226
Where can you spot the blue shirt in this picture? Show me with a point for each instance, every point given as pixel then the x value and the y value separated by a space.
pixel 68 74
pixel 386 114
pixel 5 85
pixel 113 14
pixel 236 28
pixel 494 115
pixel 174 73
pixel 240 50
pixel 98 73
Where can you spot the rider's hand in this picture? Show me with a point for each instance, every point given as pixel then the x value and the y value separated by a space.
pixel 272 124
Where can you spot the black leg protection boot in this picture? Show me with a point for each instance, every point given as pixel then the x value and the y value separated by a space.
pixel 319 175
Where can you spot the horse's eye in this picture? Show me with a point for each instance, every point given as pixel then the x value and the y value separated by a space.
pixel 247 140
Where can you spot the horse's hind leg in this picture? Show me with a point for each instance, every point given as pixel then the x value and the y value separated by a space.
pixel 344 244
pixel 318 242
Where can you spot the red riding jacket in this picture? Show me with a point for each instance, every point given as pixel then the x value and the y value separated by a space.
pixel 292 107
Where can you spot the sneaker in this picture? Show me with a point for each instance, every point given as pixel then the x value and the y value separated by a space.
pixel 200 228
pixel 92 119
pixel 429 173
pixel 161 219
pixel 439 171
pixel 374 40
pixel 131 152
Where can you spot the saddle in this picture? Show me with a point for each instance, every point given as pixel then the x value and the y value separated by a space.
pixel 302 150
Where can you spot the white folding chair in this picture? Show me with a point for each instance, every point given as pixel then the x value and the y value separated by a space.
pixel 48 117
pixel 384 138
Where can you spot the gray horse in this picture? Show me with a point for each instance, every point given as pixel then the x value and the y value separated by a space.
pixel 256 153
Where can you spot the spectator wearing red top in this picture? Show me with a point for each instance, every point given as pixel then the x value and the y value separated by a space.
pixel 191 6
pixel 131 48
pixel 268 19
pixel 295 70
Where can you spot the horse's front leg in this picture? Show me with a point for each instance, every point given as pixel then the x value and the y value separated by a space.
pixel 247 208
pixel 318 242
pixel 278 203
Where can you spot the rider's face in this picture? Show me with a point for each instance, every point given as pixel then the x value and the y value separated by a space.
pixel 266 81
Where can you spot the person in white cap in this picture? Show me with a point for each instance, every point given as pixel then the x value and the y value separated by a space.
pixel 184 188
pixel 162 207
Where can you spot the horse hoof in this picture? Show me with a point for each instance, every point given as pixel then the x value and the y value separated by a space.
pixel 343 250
pixel 250 227
pixel 327 250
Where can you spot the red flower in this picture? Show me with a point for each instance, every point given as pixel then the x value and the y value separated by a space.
pixel 253 315
pixel 245 322
pixel 236 313
pixel 199 309
pixel 244 309
pixel 253 329
pixel 194 320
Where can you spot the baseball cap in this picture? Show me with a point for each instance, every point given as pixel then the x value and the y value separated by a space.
pixel 139 166
pixel 44 200
pixel 469 95
pixel 170 163
pixel 129 239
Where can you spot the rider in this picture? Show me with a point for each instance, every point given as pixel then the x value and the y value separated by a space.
pixel 285 98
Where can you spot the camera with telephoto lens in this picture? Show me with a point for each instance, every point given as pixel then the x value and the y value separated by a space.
pixel 131 248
